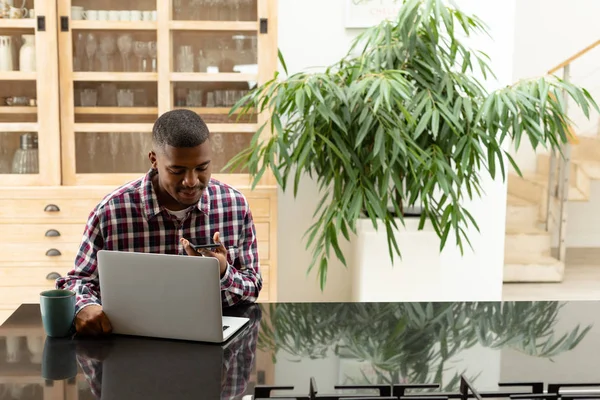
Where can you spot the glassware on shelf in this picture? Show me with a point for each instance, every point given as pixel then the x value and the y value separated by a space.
pixel 91 45
pixel 125 44
pixel 180 97
pixel 25 160
pixel 210 99
pixel 178 10
pixel 107 95
pixel 80 51
pixel 185 59
pixel 246 8
pixel 89 98
pixel 108 47
pixel 140 49
pixel 114 146
pixel 203 61
pixel 125 98
pixel 152 51
pixel 194 98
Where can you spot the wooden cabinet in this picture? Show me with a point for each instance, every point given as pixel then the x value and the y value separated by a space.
pixel 105 70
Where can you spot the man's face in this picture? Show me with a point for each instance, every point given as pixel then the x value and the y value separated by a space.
pixel 183 174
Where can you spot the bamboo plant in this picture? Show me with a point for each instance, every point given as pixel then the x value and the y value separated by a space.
pixel 401 119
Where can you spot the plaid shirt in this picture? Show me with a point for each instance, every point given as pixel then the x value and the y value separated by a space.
pixel 131 219
pixel 238 359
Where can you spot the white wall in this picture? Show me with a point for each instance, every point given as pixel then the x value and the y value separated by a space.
pixel 548 32
pixel 311 33
pixel 308 37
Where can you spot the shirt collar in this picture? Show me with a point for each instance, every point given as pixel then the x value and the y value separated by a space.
pixel 150 200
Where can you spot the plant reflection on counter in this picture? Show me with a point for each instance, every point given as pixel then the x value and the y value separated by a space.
pixel 412 342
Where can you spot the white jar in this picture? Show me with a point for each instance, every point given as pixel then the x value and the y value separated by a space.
pixel 27 54
pixel 6 58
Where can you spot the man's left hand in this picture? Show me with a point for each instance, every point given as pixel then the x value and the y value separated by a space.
pixel 220 252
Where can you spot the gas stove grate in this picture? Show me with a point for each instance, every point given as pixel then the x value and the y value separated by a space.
pixel 562 391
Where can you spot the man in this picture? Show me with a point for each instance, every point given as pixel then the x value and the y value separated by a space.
pixel 175 201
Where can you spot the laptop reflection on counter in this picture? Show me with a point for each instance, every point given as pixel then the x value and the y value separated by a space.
pixel 139 368
pixel 130 367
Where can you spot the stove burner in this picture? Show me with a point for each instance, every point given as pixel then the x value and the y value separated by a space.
pixel 466 391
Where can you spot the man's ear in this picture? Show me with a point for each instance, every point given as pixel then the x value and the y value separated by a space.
pixel 152 157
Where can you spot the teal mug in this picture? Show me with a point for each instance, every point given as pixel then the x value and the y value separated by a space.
pixel 58 312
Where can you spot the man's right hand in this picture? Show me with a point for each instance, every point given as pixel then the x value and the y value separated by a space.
pixel 91 320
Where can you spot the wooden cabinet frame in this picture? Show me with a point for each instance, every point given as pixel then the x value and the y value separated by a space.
pixel 47 94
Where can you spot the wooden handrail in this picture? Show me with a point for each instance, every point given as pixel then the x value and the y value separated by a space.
pixel 574 57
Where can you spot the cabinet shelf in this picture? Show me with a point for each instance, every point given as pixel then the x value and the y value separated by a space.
pixel 17 23
pixel 17 76
pixel 18 110
pixel 217 77
pixel 210 110
pixel 117 110
pixel 19 126
pixel 233 128
pixel 115 76
pixel 114 25
pixel 213 25
pixel 111 127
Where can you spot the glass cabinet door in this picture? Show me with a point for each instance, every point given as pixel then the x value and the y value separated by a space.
pixel 109 93
pixel 219 50
pixel 29 124
pixel 123 63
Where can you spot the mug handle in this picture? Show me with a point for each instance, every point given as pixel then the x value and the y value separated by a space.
pixel 25 12
pixel 84 14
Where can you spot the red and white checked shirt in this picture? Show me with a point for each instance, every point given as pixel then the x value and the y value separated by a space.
pixel 130 219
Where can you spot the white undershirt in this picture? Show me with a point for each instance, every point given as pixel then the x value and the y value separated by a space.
pixel 178 214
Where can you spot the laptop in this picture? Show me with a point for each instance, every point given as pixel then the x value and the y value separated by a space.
pixel 164 296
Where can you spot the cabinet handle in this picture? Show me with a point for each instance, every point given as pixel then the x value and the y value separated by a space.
pixel 52 276
pixel 264 25
pixel 64 24
pixel 51 208
pixel 41 23
pixel 53 253
pixel 52 233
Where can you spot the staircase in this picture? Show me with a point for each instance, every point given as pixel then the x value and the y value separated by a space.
pixel 529 252
pixel 536 217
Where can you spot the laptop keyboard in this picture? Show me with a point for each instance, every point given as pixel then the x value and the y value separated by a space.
pixel 225 327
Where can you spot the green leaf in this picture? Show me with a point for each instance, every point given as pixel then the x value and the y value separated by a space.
pixel 435 122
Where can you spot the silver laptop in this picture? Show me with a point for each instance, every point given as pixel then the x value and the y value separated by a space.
pixel 164 296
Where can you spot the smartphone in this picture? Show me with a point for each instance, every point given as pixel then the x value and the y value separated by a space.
pixel 207 246
pixel 204 246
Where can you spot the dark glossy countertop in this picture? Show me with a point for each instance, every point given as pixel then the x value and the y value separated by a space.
pixel 287 344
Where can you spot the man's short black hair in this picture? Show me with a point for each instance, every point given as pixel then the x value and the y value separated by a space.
pixel 179 128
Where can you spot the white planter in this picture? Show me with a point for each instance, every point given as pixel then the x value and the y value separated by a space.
pixel 423 274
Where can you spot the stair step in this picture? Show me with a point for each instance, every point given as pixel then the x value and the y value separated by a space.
pixel 518 229
pixel 533 269
pixel 533 187
pixel 526 241
pixel 521 212
pixel 513 200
